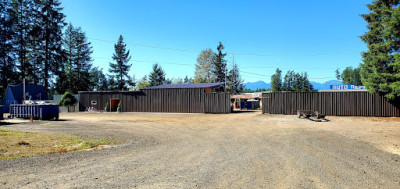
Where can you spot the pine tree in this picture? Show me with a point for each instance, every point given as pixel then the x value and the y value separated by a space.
pixel 219 64
pixel 296 82
pixel 235 83
pixel 288 81
pixel 98 80
pixel 52 24
pixel 157 76
pixel 203 68
pixel 121 67
pixel 75 75
pixel 22 13
pixel 276 81
pixel 66 76
pixel 7 55
pixel 186 80
pixel 82 62
pixel 381 67
pixel 351 76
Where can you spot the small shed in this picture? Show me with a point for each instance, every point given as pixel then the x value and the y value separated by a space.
pixel 15 94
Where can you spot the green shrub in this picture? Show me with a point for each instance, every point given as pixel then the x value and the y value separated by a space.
pixel 67 99
pixel 106 107
pixel 119 107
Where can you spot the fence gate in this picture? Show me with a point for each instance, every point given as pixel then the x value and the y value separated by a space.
pixel 219 103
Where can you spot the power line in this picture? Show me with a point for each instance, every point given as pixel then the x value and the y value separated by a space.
pixel 307 68
pixel 245 72
pixel 148 46
pixel 262 67
pixel 240 54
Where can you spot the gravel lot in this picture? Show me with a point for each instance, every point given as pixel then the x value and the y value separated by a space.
pixel 240 150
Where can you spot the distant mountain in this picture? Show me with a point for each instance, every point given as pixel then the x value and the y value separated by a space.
pixel 325 85
pixel 316 85
pixel 257 85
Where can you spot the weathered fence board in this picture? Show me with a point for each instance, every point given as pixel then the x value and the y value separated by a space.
pixel 331 103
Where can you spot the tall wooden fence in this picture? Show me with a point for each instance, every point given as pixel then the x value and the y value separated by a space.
pixel 159 100
pixel 331 103
pixel 217 103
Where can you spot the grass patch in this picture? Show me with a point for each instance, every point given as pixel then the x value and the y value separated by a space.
pixel 15 144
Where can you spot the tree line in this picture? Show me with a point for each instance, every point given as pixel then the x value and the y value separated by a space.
pixel 211 67
pixel 293 82
pixel 34 46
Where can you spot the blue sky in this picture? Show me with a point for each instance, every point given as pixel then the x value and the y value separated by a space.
pixel 312 36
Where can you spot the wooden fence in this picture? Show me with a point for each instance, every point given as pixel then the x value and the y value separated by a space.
pixel 331 103
pixel 217 103
pixel 159 100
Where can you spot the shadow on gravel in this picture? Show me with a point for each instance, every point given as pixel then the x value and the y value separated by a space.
pixel 244 111
pixel 6 123
pixel 61 120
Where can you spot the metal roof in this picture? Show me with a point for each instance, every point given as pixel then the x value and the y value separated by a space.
pixel 187 86
pixel 34 92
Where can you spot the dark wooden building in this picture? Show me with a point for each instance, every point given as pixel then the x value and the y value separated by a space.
pixel 340 103
pixel 179 98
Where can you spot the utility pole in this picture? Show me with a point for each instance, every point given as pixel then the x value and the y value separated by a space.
pixel 24 91
pixel 225 77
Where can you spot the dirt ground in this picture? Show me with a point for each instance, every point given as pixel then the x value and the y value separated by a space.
pixel 239 150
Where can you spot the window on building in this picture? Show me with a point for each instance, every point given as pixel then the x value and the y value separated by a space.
pixel 93 102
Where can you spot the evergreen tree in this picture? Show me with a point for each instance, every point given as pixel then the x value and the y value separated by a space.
pixel 203 68
pixel 82 62
pixel 186 80
pixel 157 76
pixel 66 77
pixel 381 67
pixel 7 55
pixel 288 81
pixel 219 64
pixel 98 80
pixel 351 76
pixel 52 24
pixel 22 15
pixel 276 81
pixel 75 75
pixel 235 83
pixel 296 82
pixel 121 67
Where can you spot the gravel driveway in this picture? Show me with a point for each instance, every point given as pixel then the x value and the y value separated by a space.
pixel 241 150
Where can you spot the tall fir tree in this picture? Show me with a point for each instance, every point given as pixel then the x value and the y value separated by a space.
pixel 83 62
pixel 381 67
pixel 75 75
pixel 276 81
pixel 98 80
pixel 219 64
pixel 23 15
pixel 7 53
pixel 65 80
pixel 296 82
pixel 235 83
pixel 157 76
pixel 52 23
pixel 121 67
pixel 288 81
